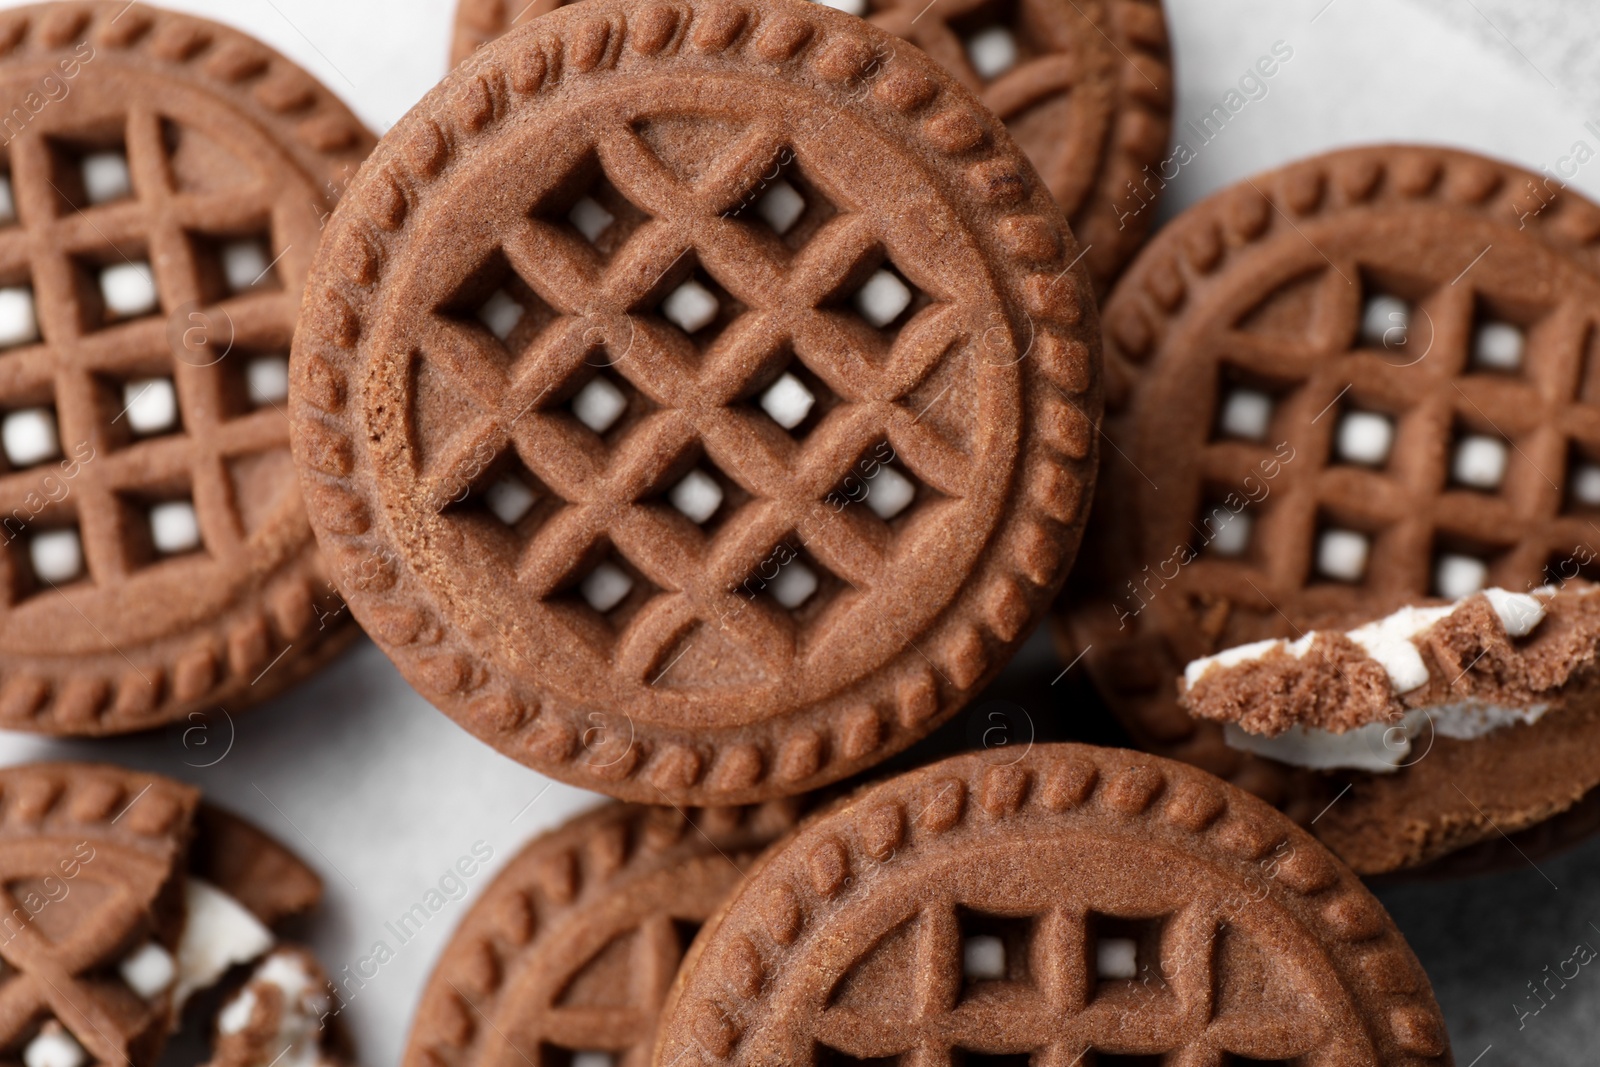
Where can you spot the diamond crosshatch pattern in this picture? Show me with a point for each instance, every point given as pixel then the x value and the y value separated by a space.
pixel 163 217
pixel 665 364
pixel 1085 87
pixel 676 321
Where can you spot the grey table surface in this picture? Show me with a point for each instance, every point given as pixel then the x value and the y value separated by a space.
pixel 382 794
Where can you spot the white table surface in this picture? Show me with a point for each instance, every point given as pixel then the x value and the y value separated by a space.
pixel 382 793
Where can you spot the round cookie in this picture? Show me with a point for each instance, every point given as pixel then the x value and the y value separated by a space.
pixel 120 903
pixel 1077 905
pixel 732 438
pixel 567 956
pixel 1085 88
pixel 1360 382
pixel 163 184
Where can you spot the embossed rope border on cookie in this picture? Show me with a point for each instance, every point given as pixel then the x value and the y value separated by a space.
pixel 135 681
pixel 771 964
pixel 1043 293
pixel 1131 37
pixel 504 975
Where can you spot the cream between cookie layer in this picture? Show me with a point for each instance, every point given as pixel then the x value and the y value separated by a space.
pixel 1382 748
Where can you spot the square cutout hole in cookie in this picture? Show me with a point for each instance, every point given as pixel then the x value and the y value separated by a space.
pixel 1582 490
pixel 236 264
pixel 1500 335
pixel 1363 437
pixel 694 303
pixel 253 380
pixel 30 436
pixel 878 294
pixel 505 499
pixel 1341 552
pixel 142 407
pixel 881 483
pixel 49 555
pixel 791 581
pixel 19 316
pixel 115 289
pixel 994 948
pixel 1226 529
pixel 91 171
pixel 694 489
pixel 785 203
pixel 605 585
pixel 1460 567
pixel 8 200
pixel 590 210
pixel 1478 459
pixel 1248 406
pixel 159 525
pixel 494 298
pixel 1390 316
pixel 1124 952
pixel 996 39
pixel 604 402
pixel 792 396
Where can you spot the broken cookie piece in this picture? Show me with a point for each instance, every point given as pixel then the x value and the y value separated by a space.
pixel 114 933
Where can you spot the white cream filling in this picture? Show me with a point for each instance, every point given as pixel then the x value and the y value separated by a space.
pixel 218 934
pixel 1384 747
pixel 303 1009
pixel 1381 748
pixel 1389 640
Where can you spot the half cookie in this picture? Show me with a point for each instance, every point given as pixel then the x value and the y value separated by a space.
pixel 125 902
pixel 698 402
pixel 1074 906
pixel 567 957
pixel 1085 88
pixel 1450 725
pixel 1363 382
pixel 162 188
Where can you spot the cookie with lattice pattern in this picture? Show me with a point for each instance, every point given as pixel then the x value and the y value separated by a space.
pixel 1085 88
pixel 1367 380
pixel 733 437
pixel 163 184
pixel 1073 905
pixel 121 898
pixel 567 956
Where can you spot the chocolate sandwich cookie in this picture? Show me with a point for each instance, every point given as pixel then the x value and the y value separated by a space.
pixel 163 183
pixel 1359 383
pixel 1084 87
pixel 730 439
pixel 1076 905
pixel 569 953
pixel 1449 725
pixel 124 900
